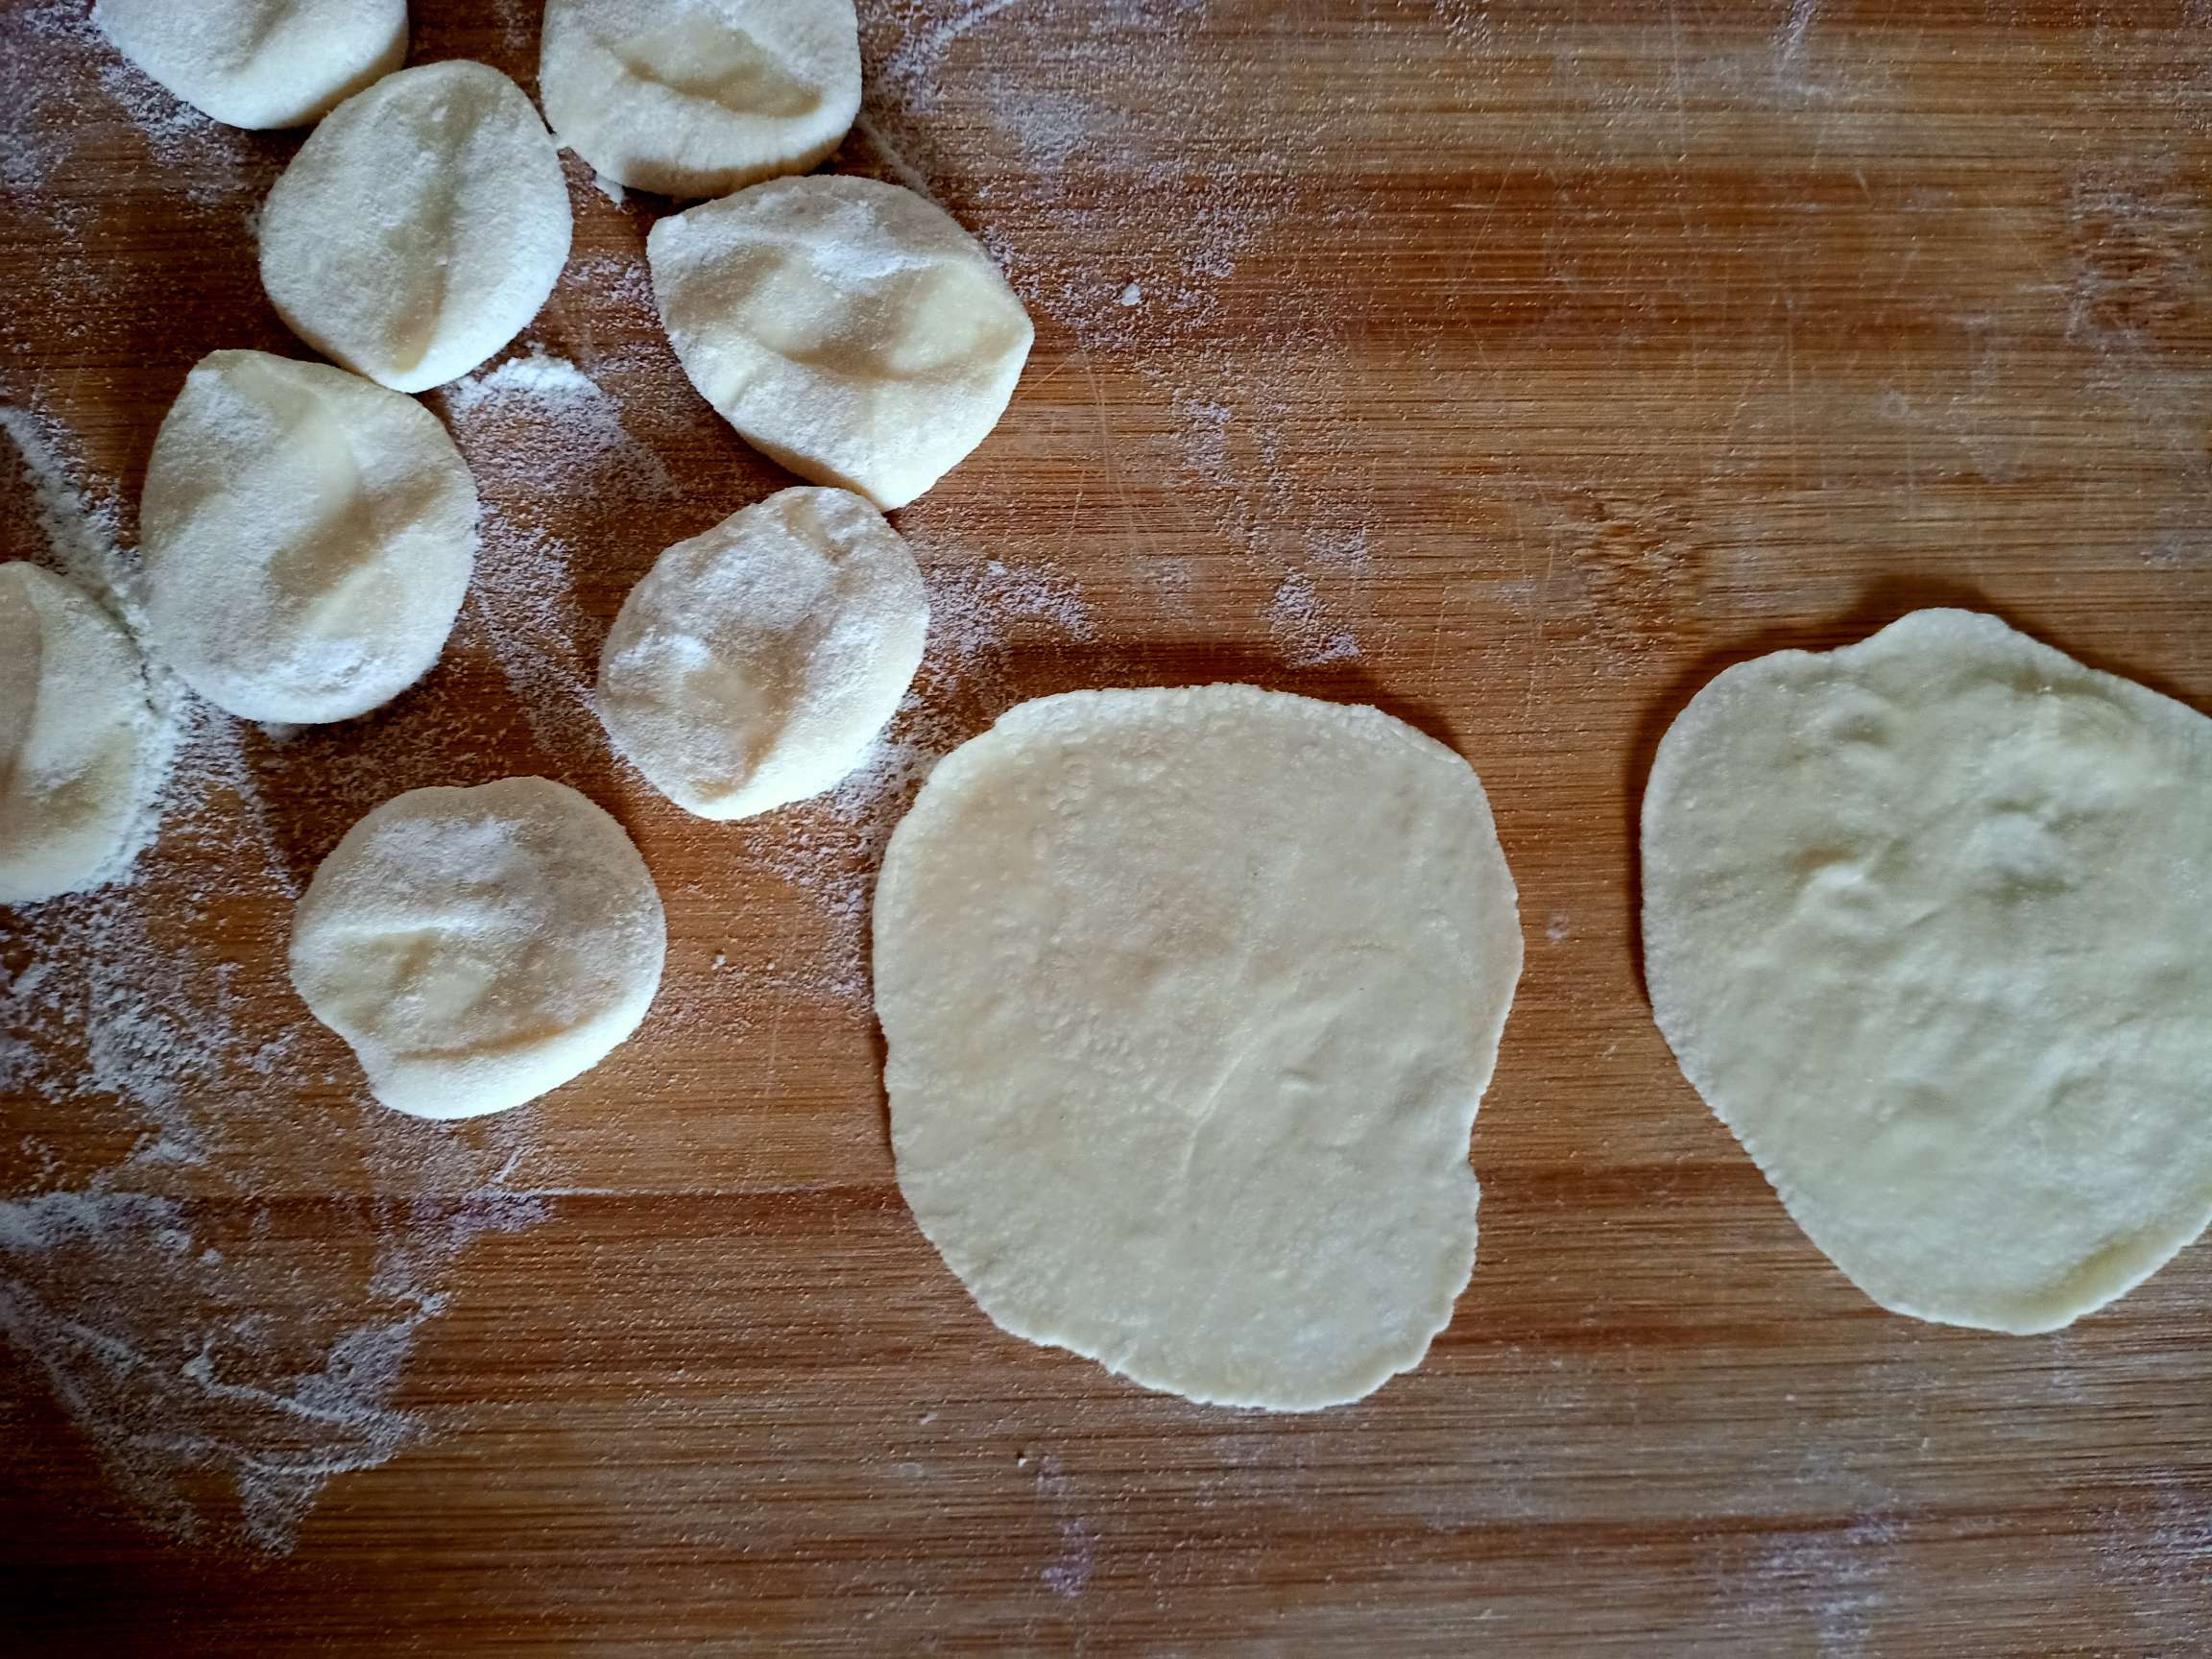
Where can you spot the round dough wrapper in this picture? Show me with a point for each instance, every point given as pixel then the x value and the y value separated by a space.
pixel 847 328
pixel 259 64
pixel 1190 997
pixel 308 537
pixel 1928 921
pixel 700 97
pixel 419 228
pixel 78 767
pixel 754 664
pixel 479 946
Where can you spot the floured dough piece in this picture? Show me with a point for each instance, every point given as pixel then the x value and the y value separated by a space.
pixel 700 97
pixel 1928 920
pixel 78 770
pixel 1190 997
pixel 847 329
pixel 260 63
pixel 479 946
pixel 419 228
pixel 307 534
pixel 754 664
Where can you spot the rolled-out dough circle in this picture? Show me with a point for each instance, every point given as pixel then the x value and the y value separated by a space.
pixel 1928 921
pixel 307 535
pixel 421 225
pixel 700 97
pixel 757 661
pixel 847 328
pixel 479 946
pixel 1190 998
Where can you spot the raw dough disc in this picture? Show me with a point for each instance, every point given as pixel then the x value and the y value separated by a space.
pixel 755 663
pixel 78 767
pixel 846 327
pixel 421 225
pixel 307 534
pixel 259 64
pixel 479 946
pixel 1928 920
pixel 1190 997
pixel 700 97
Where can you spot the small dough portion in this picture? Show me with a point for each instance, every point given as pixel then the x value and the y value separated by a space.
pixel 1190 997
pixel 755 663
pixel 479 946
pixel 1928 921
pixel 78 766
pixel 307 535
pixel 259 64
pixel 848 329
pixel 419 228
pixel 700 97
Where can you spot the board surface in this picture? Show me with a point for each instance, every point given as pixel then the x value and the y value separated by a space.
pixel 1511 365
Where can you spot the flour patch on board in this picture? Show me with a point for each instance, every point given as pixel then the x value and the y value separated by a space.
pixel 1213 179
pixel 552 457
pixel 1835 1579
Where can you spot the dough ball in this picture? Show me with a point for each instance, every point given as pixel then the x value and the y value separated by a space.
pixel 78 767
pixel 479 946
pixel 1190 997
pixel 1928 920
pixel 419 228
pixel 260 63
pixel 307 537
pixel 700 97
pixel 754 664
pixel 847 329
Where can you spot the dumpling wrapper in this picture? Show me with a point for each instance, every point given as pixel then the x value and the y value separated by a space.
pixel 1190 997
pixel 1928 921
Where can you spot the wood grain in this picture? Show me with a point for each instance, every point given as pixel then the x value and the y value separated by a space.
pixel 1554 354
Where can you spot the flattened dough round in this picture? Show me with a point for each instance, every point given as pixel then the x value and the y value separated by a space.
pixel 700 97
pixel 77 766
pixel 307 534
pixel 1928 921
pixel 419 228
pixel 847 328
pixel 1190 997
pixel 260 63
pixel 479 946
pixel 755 663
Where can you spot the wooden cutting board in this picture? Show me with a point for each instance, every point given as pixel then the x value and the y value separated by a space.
pixel 1511 365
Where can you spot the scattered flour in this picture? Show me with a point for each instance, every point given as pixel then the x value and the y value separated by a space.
pixel 1071 1572
pixel 1300 626
pixel 540 434
pixel 223 1371
pixel 541 419
pixel 54 59
pixel 1837 1578
pixel 1208 176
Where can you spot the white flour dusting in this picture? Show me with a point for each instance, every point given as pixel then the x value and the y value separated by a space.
pixel 1837 1577
pixel 1300 626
